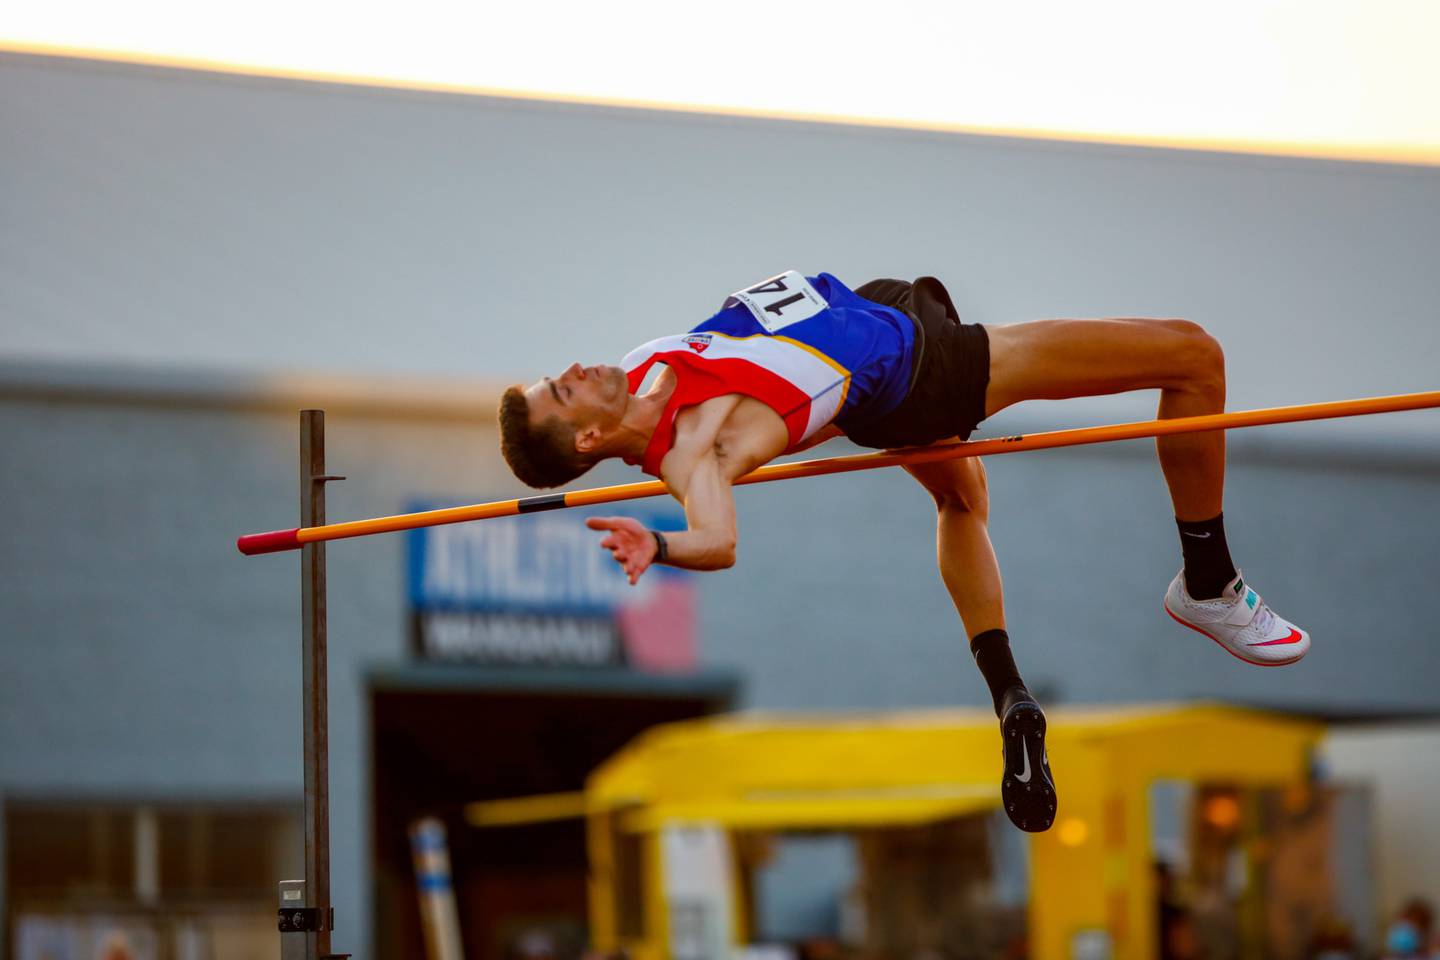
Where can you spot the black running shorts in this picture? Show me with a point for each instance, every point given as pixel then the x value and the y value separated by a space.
pixel 951 371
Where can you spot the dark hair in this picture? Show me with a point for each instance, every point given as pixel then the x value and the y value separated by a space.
pixel 1419 912
pixel 540 454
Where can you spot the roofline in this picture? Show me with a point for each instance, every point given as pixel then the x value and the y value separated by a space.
pixel 428 398
pixel 1238 152
pixel 473 401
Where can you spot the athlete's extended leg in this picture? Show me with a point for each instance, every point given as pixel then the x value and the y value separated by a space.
pixel 972 576
pixel 1056 359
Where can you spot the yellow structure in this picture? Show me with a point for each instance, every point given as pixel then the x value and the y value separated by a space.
pixel 1091 873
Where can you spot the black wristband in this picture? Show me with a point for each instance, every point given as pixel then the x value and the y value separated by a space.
pixel 662 549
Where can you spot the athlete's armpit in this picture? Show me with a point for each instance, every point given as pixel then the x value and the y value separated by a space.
pixel 829 432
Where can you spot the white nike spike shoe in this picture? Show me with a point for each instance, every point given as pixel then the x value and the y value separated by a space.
pixel 1240 622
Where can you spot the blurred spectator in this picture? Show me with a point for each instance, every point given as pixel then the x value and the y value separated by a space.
pixel 1176 927
pixel 1333 940
pixel 117 947
pixel 821 948
pixel 535 945
pixel 1410 933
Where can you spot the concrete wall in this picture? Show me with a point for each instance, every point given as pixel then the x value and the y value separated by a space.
pixel 164 216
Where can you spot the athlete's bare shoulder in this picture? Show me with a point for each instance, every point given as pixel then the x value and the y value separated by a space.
pixel 752 435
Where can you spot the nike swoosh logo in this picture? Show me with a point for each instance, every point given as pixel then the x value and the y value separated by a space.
pixel 1295 637
pixel 1024 776
pixel 1197 536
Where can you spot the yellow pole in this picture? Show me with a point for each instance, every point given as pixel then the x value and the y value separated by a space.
pixel 278 540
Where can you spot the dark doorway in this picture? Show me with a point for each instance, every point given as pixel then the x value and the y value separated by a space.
pixel 443 736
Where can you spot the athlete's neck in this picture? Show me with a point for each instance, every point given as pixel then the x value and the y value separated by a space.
pixel 642 416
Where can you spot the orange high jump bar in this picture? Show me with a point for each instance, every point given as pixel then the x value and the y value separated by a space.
pixel 279 540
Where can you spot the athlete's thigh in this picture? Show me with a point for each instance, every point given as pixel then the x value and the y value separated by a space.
pixel 959 482
pixel 1057 359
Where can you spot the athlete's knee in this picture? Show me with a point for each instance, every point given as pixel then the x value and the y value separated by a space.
pixel 967 493
pixel 1202 358
pixel 963 504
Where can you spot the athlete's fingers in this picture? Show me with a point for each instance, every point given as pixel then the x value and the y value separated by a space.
pixel 609 543
pixel 602 523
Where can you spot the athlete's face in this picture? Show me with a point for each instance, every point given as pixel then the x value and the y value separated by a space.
pixel 591 399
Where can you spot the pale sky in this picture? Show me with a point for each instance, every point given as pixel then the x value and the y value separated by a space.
pixel 1346 78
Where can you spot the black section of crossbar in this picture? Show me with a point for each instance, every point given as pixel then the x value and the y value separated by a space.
pixel 550 501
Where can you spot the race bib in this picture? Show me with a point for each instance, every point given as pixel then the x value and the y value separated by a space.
pixel 780 301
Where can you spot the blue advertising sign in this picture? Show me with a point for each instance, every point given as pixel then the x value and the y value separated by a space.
pixel 539 589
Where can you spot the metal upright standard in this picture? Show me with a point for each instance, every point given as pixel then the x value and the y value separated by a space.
pixel 306 917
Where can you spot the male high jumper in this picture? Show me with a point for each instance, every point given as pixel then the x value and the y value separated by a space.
pixel 793 361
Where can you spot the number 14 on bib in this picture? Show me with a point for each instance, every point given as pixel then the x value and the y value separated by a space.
pixel 780 301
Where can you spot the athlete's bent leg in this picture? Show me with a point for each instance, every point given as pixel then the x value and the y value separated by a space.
pixel 1058 359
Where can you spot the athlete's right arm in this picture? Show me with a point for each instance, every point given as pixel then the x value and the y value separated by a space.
pixel 696 476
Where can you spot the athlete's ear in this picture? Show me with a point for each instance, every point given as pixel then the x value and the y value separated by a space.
pixel 587 438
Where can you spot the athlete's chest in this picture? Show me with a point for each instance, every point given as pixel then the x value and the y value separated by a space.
pixel 744 432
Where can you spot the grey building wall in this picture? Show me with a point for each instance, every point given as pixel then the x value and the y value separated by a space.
pixel 195 223
pixel 205 220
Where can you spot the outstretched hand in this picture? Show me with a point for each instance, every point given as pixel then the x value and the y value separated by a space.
pixel 630 543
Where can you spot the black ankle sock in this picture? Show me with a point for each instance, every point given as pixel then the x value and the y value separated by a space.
pixel 1208 567
pixel 997 666
pixel 1013 696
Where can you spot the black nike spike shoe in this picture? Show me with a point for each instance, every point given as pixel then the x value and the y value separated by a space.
pixel 1027 789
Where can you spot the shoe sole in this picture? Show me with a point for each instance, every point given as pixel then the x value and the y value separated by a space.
pixel 1226 647
pixel 1030 804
